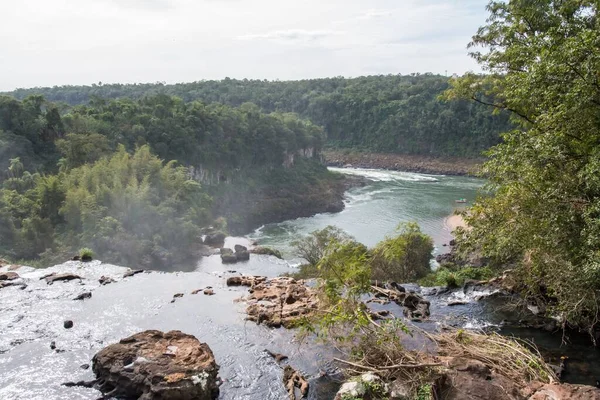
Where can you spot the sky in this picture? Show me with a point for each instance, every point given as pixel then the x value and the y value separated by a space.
pixel 73 42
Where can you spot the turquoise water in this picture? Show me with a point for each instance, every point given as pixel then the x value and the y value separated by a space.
pixel 375 210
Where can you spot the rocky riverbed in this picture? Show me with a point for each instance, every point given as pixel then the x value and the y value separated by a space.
pixel 402 162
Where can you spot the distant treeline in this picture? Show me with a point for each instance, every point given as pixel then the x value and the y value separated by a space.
pixel 387 113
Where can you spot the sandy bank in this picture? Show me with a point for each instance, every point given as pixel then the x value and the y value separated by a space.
pixel 454 221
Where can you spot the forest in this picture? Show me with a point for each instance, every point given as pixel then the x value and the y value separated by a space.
pixel 138 180
pixel 386 113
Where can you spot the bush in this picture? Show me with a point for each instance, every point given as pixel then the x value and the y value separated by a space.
pixel 453 277
pixel 86 254
pixel 313 247
pixel 403 258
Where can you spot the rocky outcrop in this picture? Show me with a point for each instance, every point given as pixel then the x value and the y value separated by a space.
pixel 245 280
pixel 402 162
pixel 280 301
pixel 153 365
pixel 215 239
pixel 54 277
pixel 415 306
pixel 8 276
pixel 554 391
pixel 229 257
pixel 266 251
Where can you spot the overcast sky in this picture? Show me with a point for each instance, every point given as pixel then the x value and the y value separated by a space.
pixel 57 42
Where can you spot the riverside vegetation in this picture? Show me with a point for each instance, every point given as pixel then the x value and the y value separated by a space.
pixel 94 176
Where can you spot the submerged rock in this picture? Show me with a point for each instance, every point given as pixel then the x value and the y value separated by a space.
pixel 153 365
pixel 266 251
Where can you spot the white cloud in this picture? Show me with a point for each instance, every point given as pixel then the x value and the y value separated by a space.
pixel 46 43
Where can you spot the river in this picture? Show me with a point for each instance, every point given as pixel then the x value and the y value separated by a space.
pixel 32 312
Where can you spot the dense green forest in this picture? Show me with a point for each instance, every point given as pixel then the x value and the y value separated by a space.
pixel 93 175
pixel 386 113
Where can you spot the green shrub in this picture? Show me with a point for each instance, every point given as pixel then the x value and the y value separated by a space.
pixel 86 254
pixel 452 276
pixel 403 258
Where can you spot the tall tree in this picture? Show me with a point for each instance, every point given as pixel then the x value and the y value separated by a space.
pixel 542 59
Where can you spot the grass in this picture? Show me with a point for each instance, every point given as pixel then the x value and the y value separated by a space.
pixel 452 276
pixel 86 254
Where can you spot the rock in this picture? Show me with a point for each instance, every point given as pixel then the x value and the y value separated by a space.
pixel 105 280
pixel 225 250
pixel 132 272
pixel 415 306
pixel 229 258
pixel 216 239
pixel 153 365
pixel 3 262
pixel 52 345
pixel 277 356
pixel 245 280
pixel 84 366
pixel 292 379
pixel 563 391
pixel 242 255
pixel 86 258
pixel 176 295
pixel 83 296
pixel 365 386
pixel 266 251
pixel 8 276
pixel 196 291
pixel 457 303
pixel 239 247
pixel 54 277
pixel 209 292
pixel 399 391
pixel 280 301
pixel 68 324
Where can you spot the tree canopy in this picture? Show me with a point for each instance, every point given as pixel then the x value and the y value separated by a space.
pixel 542 60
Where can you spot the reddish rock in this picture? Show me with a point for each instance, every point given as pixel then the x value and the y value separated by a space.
pixel 245 280
pixel 153 365
pixel 54 277
pixel 563 391
pixel 8 276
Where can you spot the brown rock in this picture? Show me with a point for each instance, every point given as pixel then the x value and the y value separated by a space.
pixel 209 292
pixel 105 280
pixel 280 301
pixel 153 365
pixel 245 280
pixel 562 392
pixel 54 277
pixel 8 276
pixel 292 380
pixel 132 272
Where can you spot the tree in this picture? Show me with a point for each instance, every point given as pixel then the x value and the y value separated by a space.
pixel 542 59
pixel 403 258
pixel 313 247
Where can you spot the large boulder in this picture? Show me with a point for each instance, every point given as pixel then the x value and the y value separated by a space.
pixel 266 251
pixel 153 365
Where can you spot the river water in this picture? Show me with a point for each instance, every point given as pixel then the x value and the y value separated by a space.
pixel 375 210
pixel 32 314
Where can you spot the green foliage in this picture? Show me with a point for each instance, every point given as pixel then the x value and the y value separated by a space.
pixel 403 258
pixel 86 254
pixel 132 209
pixel 543 62
pixel 386 113
pixel 453 276
pixel 424 392
pixel 313 247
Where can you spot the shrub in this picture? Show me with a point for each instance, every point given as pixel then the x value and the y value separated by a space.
pixel 86 254
pixel 313 247
pixel 403 258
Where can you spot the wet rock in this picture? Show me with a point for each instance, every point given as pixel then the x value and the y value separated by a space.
pixel 83 296
pixel 215 239
pixel 84 366
pixel 52 345
pixel 239 247
pixel 209 292
pixel 68 324
pixel 132 272
pixel 242 255
pixel 105 280
pixel 415 306
pixel 266 251
pixel 277 356
pixel 294 380
pixel 228 257
pixel 280 301
pixel 54 277
pixel 177 295
pixel 457 303
pixel 8 276
pixel 245 280
pixel 153 365
pixel 196 291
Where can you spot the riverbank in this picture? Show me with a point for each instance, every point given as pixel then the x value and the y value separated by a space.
pixel 454 221
pixel 402 162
